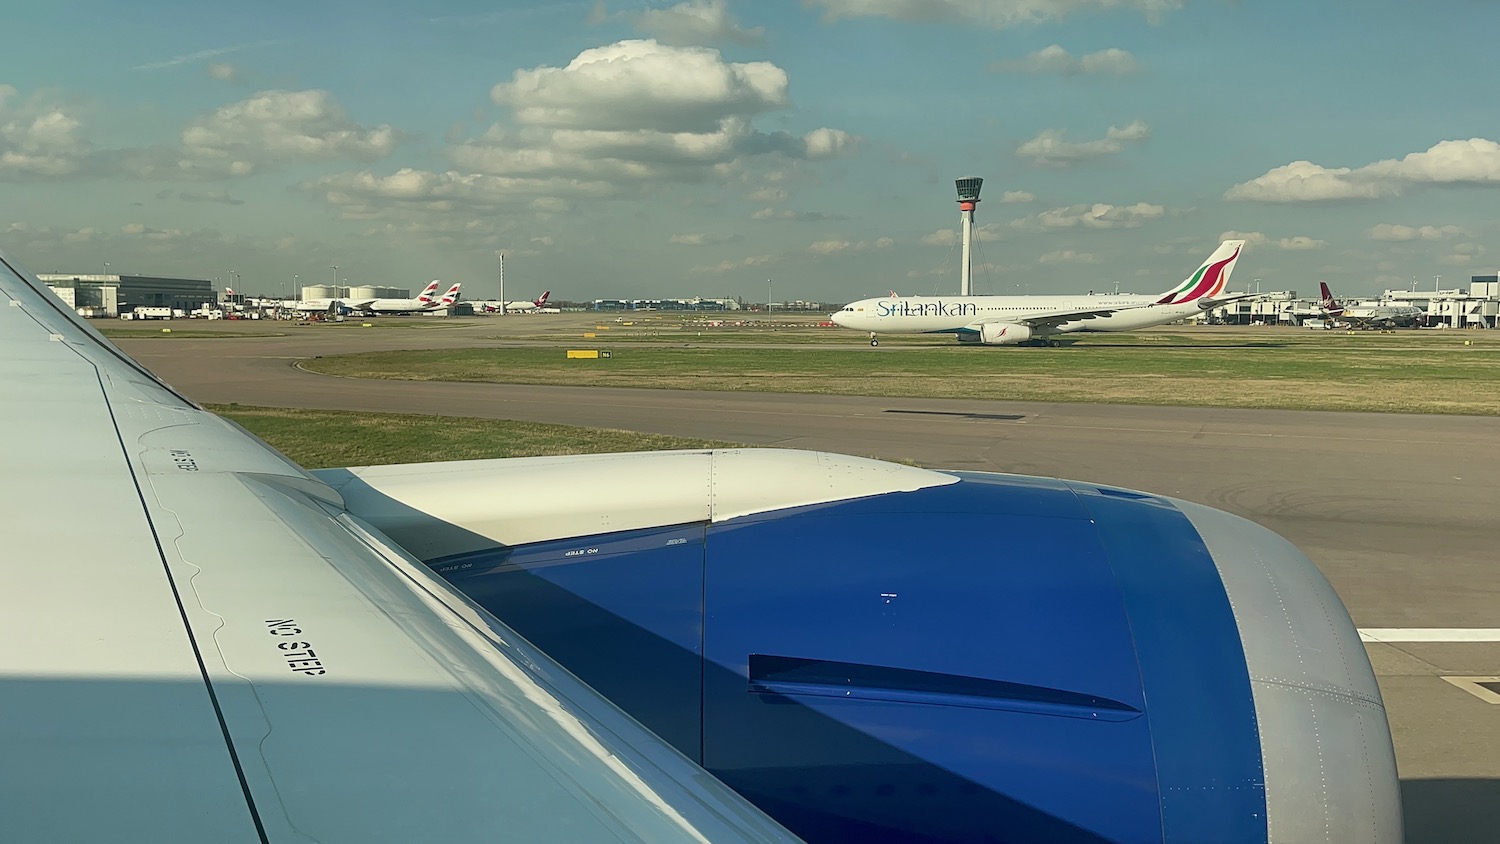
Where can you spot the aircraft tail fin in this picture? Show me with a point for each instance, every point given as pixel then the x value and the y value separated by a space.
pixel 1330 304
pixel 451 296
pixel 1210 278
pixel 541 301
pixel 428 293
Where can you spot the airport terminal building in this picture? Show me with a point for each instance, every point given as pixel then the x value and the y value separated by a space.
pixel 1477 307
pixel 112 295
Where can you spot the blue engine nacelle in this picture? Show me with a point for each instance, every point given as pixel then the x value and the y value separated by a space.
pixel 991 659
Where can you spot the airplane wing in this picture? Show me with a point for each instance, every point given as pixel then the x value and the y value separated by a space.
pixel 1051 319
pixel 206 646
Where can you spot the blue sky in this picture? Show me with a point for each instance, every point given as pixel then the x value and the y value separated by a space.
pixel 686 147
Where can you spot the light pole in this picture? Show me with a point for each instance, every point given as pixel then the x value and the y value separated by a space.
pixel 1435 280
pixel 106 268
pixel 768 295
pixel 1257 287
pixel 335 269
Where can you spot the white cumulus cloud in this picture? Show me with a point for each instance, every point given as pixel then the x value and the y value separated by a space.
pixel 848 247
pixel 995 14
pixel 38 139
pixel 1464 254
pixel 266 130
pixel 621 120
pixel 1099 215
pixel 1056 60
pixel 636 84
pixel 1018 197
pixel 1475 161
pixel 1068 256
pixel 731 266
pixel 1251 238
pixel 1392 231
pixel 689 23
pixel 701 239
pixel 1294 243
pixel 950 237
pixel 1052 149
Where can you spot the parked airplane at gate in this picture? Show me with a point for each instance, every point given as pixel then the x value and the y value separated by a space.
pixel 425 298
pixel 1370 316
pixel 493 306
pixel 1013 320
pixel 424 302
pixel 378 653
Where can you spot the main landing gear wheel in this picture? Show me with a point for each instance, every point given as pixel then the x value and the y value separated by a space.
pixel 873 341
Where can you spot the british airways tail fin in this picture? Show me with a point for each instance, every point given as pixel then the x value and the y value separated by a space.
pixel 451 296
pixel 428 292
pixel 1210 279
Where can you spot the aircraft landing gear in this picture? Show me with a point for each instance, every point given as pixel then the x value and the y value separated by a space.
pixel 873 341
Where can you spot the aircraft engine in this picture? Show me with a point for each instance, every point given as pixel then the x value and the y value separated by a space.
pixel 876 652
pixel 1004 334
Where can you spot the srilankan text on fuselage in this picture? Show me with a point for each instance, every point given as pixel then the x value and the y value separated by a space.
pixel 913 308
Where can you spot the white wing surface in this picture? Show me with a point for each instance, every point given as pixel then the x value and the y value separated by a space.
pixel 204 646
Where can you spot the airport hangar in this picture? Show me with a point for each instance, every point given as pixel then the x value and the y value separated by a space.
pixel 111 295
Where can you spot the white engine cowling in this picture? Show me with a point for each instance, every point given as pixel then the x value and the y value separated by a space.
pixel 1004 334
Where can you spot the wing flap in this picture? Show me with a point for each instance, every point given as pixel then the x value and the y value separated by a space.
pixel 1055 318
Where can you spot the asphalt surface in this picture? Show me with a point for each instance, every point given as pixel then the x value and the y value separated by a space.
pixel 1400 512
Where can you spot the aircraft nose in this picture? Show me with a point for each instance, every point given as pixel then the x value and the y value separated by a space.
pixel 1330 766
pixel 837 318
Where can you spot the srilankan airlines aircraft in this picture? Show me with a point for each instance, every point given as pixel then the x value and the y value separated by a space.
pixel 688 646
pixel 1014 320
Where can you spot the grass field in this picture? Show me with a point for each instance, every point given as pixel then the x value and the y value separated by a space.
pixel 318 439
pixel 1416 372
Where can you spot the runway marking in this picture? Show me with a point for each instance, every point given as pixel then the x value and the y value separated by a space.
pixel 1484 688
pixel 1389 635
pixel 1006 417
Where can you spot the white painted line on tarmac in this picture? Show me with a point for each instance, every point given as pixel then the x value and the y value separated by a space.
pixel 1429 634
pixel 1480 687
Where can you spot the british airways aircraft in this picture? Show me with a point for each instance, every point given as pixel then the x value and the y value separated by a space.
pixel 208 643
pixel 1016 320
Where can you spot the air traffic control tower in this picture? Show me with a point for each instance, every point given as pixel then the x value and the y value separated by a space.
pixel 968 197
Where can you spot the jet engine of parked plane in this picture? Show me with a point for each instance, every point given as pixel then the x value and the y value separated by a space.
pixel 842 641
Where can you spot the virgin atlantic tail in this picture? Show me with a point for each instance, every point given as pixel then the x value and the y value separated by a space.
pixel 1329 304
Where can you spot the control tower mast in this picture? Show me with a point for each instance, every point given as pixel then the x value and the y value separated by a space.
pixel 968 197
